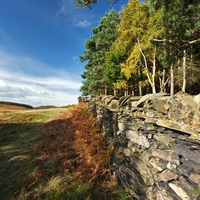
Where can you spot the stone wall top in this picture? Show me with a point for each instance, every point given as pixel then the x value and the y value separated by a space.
pixel 180 112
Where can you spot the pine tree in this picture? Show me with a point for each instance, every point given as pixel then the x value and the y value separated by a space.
pixel 103 36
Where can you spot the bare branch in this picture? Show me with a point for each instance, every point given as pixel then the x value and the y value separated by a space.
pixel 170 40
pixel 145 62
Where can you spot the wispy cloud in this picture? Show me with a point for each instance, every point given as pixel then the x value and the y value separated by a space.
pixel 25 80
pixel 83 23
pixel 75 58
pixel 77 18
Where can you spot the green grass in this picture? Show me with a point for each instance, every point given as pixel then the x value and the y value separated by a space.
pixel 18 132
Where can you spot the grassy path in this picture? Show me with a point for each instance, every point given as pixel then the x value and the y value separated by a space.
pixel 18 132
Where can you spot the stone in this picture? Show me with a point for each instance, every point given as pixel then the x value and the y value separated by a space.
pixel 119 154
pixel 195 177
pixel 185 169
pixel 169 156
pixel 171 166
pixel 179 191
pixel 130 144
pixel 188 154
pixel 160 104
pixel 143 168
pixel 183 188
pixel 114 103
pixel 197 98
pixel 167 175
pixel 122 126
pixel 165 139
pixel 150 114
pixel 163 195
pixel 134 137
pixel 119 132
pixel 143 99
pixel 160 165
pixel 187 100
pixel 127 152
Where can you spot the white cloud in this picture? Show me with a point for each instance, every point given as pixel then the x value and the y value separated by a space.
pixel 25 80
pixel 83 24
pixel 2 83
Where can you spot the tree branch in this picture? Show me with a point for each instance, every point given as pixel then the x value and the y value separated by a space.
pixel 170 40
pixel 145 62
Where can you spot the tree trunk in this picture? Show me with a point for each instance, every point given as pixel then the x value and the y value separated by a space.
pixel 163 82
pixel 154 73
pixel 115 91
pixel 172 80
pixel 184 71
pixel 150 79
pixel 140 90
pixel 106 90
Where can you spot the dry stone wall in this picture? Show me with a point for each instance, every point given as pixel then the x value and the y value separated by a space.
pixel 156 142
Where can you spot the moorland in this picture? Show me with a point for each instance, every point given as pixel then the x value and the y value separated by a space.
pixel 53 153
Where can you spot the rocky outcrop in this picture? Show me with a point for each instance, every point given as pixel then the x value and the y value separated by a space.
pixel 156 143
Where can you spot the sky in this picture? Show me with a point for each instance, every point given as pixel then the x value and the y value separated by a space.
pixel 40 44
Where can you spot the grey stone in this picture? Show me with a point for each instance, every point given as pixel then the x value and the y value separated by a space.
pixel 158 164
pixel 134 137
pixel 169 156
pixel 165 139
pixel 163 195
pixel 179 191
pixel 188 154
pixel 167 175
pixel 157 143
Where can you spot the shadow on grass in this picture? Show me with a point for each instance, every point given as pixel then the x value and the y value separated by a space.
pixel 16 160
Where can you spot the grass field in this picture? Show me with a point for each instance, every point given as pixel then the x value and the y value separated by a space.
pixel 18 132
pixel 54 154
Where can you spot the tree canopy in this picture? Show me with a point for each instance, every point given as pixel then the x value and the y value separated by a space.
pixel 151 46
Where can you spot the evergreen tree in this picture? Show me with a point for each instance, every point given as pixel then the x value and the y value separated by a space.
pixel 95 82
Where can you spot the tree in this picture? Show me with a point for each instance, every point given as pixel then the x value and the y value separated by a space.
pixel 159 40
pixel 87 3
pixel 182 33
pixel 137 29
pixel 95 81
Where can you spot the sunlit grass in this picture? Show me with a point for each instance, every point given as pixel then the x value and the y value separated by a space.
pixel 18 133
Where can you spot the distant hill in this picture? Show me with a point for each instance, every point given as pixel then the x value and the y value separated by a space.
pixel 5 105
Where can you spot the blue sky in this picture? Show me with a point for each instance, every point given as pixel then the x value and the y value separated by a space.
pixel 40 41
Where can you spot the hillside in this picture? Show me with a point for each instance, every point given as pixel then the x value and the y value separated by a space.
pixel 9 106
